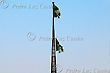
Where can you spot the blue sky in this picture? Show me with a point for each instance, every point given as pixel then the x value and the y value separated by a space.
pixel 83 30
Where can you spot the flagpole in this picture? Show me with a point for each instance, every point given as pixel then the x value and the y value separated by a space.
pixel 53 29
pixel 53 54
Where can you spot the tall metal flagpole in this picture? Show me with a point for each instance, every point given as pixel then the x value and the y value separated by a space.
pixel 53 54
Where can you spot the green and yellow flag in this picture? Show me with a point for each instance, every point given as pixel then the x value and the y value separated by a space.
pixel 56 11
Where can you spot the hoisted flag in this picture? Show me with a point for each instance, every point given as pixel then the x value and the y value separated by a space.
pixel 56 11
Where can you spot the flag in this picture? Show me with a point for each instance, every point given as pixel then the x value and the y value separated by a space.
pixel 56 11
pixel 59 47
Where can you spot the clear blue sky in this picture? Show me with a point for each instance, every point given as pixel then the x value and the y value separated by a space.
pixel 83 30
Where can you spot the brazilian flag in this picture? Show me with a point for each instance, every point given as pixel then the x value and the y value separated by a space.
pixel 59 47
pixel 56 11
